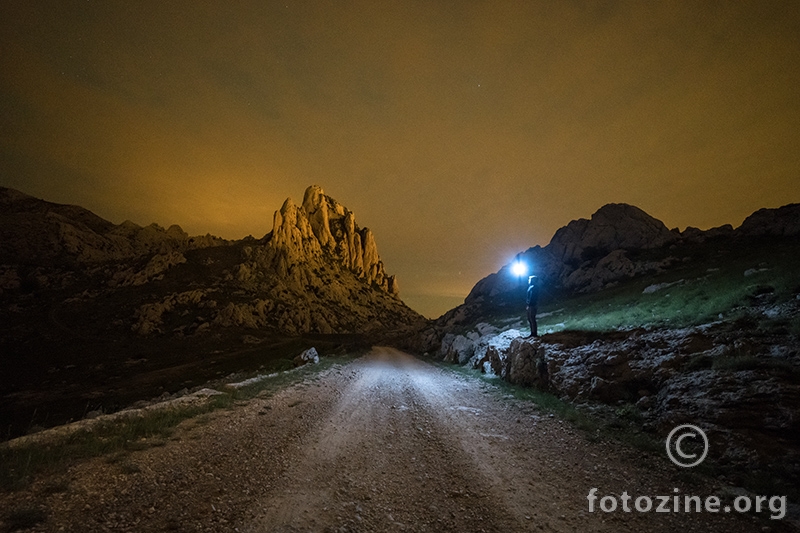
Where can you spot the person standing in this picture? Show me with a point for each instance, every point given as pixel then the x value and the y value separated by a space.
pixel 532 301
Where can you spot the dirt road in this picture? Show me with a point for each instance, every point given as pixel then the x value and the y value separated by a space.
pixel 384 443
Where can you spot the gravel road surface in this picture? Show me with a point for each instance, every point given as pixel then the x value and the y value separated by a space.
pixel 383 443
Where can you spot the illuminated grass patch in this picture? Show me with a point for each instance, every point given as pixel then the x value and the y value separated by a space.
pixel 698 292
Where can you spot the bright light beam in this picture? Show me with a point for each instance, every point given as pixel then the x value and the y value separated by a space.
pixel 519 269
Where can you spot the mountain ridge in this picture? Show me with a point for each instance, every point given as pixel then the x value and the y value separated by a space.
pixel 98 314
pixel 587 254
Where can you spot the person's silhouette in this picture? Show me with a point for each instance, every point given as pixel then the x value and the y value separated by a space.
pixel 532 301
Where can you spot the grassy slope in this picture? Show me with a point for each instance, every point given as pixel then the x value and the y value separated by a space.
pixel 710 283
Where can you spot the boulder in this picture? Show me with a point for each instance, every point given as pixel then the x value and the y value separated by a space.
pixel 308 356
pixel 457 349
pixel 526 364
pixel 613 267
pixel 492 362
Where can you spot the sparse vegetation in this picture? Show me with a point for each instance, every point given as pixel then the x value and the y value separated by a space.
pixel 707 287
pixel 20 464
pixel 622 425
pixel 117 440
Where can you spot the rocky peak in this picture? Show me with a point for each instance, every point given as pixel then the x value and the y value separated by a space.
pixel 783 221
pixel 322 229
pixel 612 227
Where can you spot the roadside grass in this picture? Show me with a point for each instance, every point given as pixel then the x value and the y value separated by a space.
pixel 19 465
pixel 274 382
pixel 116 440
pixel 622 425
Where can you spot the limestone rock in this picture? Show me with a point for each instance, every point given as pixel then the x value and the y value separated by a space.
pixel 457 349
pixel 149 317
pixel 308 356
pixel 155 267
pixel 492 362
pixel 323 229
pixel 612 227
pixel 612 268
pixel 525 364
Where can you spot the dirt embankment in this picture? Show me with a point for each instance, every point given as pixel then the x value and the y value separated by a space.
pixel 385 443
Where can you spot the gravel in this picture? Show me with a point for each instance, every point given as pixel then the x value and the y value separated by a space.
pixel 384 443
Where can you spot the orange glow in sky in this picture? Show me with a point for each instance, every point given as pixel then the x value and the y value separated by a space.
pixel 460 132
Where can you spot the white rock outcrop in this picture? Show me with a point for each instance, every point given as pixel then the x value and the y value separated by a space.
pixel 309 356
pixel 324 227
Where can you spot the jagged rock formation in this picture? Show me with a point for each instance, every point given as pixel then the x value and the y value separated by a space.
pixel 320 230
pixel 316 271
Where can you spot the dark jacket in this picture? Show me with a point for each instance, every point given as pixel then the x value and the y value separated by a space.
pixel 532 298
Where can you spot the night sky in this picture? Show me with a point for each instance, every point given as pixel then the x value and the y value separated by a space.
pixel 459 132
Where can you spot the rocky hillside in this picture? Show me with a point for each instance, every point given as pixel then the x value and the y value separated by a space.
pixel 35 233
pixel 316 271
pixel 87 304
pixel 651 327
pixel 618 243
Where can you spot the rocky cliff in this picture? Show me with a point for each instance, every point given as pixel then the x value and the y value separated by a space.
pixel 316 271
pixel 323 230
